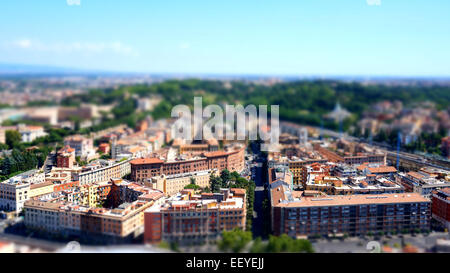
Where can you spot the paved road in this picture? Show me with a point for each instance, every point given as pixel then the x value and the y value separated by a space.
pixel 32 242
pixel 50 161
pixel 358 245
pixel 258 224
pixel 74 247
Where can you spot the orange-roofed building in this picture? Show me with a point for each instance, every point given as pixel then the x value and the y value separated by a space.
pixel 383 170
pixel 144 169
pixel 104 148
pixel 195 220
pixel 65 157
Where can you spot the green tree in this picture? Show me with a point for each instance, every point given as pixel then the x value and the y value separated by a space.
pixel 258 246
pixel 3 147
pixel 215 182
pixel 235 240
pixel 226 177
pixel 192 186
pixel 285 243
pixel 13 138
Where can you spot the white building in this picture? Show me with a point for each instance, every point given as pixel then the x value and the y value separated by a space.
pixel 13 194
pixel 15 191
pixel 84 147
pixel 30 133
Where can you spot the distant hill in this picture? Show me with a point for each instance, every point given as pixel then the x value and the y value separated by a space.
pixel 21 69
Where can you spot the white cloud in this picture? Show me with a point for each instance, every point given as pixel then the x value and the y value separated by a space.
pixel 25 43
pixel 74 47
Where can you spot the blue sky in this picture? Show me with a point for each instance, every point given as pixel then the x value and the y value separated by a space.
pixel 298 37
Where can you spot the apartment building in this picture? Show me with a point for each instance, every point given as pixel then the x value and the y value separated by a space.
pixel 56 214
pixel 88 195
pixel 143 169
pixel 355 159
pixel 30 133
pixel 173 184
pixel 104 148
pixel 103 171
pixel 314 169
pixel 41 189
pixel 122 224
pixel 18 189
pixel 65 158
pixel 27 133
pixel 297 168
pixel 194 219
pixel 421 182
pixel 13 194
pixel 309 213
pixel 280 176
pixel 60 175
pixel 333 185
pixel 441 207
pixel 84 147
pixel 211 145
pixel 343 170
pixel 125 191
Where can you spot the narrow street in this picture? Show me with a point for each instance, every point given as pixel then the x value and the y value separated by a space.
pixel 258 220
pixel 258 224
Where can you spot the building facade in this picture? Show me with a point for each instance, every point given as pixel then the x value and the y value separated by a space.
pixel 65 158
pixel 104 172
pixel 142 170
pixel 301 214
pixel 441 207
pixel 173 184
pixel 83 146
pixel 188 219
pixel 61 214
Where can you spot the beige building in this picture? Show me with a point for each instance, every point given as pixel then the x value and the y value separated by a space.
pixel 15 191
pixel 27 133
pixel 40 189
pixel 126 220
pixel 60 175
pixel 104 172
pixel 173 184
